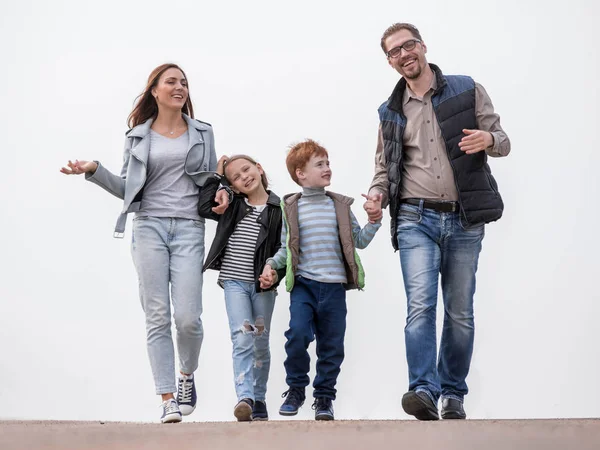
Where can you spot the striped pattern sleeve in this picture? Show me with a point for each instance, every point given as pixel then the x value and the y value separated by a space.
pixel 363 237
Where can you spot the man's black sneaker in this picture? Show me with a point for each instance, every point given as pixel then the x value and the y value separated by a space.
pixel 453 409
pixel 420 405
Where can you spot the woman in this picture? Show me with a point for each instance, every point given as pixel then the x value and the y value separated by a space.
pixel 167 155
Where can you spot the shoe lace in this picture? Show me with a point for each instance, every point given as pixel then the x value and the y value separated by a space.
pixel 321 403
pixel 184 391
pixel 293 395
pixel 171 407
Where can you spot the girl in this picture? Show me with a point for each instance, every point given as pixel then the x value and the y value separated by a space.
pixel 166 153
pixel 248 233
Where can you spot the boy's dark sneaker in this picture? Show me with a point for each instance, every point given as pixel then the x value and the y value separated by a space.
pixel 243 410
pixel 186 394
pixel 323 408
pixel 420 405
pixel 259 411
pixel 294 399
pixel 453 409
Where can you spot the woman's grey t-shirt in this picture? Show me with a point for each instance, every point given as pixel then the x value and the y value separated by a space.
pixel 168 191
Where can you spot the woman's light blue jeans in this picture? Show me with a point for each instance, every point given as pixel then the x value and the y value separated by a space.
pixel 169 252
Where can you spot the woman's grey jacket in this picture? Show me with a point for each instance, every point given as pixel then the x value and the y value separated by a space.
pixel 201 159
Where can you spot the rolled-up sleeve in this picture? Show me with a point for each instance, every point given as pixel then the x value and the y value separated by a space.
pixel 488 120
pixel 380 183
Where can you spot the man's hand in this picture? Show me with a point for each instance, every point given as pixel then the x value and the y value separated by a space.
pixel 222 199
pixel 475 141
pixel 268 277
pixel 373 207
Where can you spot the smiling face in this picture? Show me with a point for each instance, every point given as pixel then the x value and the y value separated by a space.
pixel 316 173
pixel 410 64
pixel 245 176
pixel 171 91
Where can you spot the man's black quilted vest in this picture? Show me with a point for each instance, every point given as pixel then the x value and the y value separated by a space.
pixel 454 107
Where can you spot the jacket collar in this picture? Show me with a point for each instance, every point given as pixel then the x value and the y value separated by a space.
pixel 143 129
pixel 396 99
pixel 273 199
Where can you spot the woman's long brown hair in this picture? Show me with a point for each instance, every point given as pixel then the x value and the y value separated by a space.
pixel 146 107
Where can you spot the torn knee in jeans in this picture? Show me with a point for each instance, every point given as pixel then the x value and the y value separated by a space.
pixel 247 327
pixel 260 326
pixel 258 329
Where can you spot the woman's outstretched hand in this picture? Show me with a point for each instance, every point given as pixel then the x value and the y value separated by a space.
pixel 79 167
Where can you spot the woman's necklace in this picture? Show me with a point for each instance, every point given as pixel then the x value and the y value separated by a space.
pixel 173 131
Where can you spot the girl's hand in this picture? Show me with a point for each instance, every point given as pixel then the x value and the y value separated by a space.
pixel 79 167
pixel 268 277
pixel 221 164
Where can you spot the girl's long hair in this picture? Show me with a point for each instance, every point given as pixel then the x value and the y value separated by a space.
pixel 263 177
pixel 146 107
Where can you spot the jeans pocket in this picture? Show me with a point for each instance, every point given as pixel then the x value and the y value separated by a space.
pixel 406 215
pixel 474 228
pixel 140 218
pixel 198 223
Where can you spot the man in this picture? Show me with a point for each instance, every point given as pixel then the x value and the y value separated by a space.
pixel 435 134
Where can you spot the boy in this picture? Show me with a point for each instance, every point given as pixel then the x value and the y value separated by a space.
pixel 319 238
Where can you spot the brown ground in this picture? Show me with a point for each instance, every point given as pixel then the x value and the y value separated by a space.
pixel 576 434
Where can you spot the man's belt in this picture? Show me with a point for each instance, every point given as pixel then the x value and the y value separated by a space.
pixel 445 207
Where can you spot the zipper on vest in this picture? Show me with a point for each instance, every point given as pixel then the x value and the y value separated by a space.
pixel 462 211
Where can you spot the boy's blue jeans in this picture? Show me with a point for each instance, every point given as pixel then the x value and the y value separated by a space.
pixel 433 244
pixel 316 310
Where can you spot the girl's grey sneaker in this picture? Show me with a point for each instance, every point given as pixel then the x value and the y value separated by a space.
pixel 323 408
pixel 243 410
pixel 294 399
pixel 259 411
pixel 186 394
pixel 170 412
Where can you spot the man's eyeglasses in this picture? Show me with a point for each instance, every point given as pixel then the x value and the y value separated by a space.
pixel 408 46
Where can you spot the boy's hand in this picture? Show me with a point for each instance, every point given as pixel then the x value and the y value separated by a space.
pixel 373 207
pixel 268 277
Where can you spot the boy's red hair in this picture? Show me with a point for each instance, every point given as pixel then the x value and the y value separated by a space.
pixel 299 155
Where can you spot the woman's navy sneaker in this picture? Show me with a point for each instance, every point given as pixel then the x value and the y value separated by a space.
pixel 186 394
pixel 170 412
pixel 323 408
pixel 259 411
pixel 294 399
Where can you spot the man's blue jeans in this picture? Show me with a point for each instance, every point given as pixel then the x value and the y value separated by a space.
pixel 433 243
pixel 316 309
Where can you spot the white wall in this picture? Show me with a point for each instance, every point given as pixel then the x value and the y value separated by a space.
pixel 266 74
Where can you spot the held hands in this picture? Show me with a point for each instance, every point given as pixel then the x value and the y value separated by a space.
pixel 475 141
pixel 79 167
pixel 268 277
pixel 373 207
